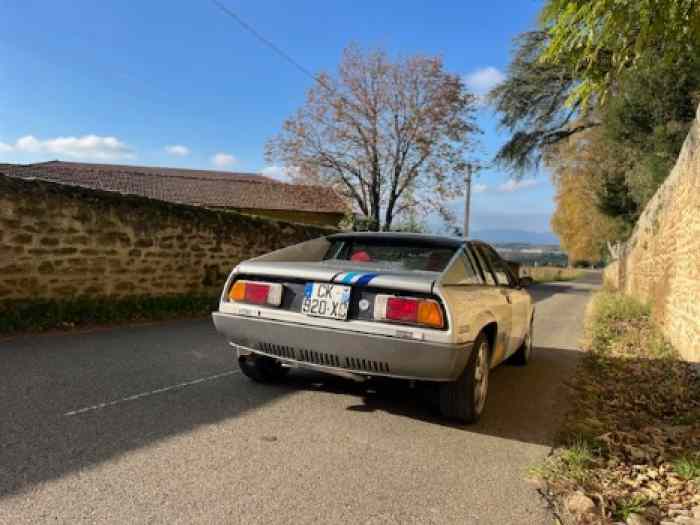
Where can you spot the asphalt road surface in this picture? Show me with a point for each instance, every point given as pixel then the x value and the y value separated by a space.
pixel 154 424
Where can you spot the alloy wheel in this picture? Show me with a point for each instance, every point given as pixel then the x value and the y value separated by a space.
pixel 481 378
pixel 530 341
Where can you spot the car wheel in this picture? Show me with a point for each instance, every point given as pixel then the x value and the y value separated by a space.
pixel 465 398
pixel 262 369
pixel 524 354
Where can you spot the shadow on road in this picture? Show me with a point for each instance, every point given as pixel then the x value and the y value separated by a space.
pixel 44 377
pixel 525 403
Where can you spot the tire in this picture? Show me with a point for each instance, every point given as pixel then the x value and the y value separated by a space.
pixel 262 369
pixel 524 354
pixel 465 398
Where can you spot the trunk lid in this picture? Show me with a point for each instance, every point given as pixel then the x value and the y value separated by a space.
pixel 343 272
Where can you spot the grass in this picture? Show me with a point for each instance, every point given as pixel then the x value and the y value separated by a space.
pixel 33 316
pixel 630 439
pixel 544 274
pixel 627 506
pixel 688 467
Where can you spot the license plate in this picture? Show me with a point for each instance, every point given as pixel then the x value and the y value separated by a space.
pixel 326 300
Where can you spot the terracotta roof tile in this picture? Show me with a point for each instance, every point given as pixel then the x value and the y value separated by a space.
pixel 215 189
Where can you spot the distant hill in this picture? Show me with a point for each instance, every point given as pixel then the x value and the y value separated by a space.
pixel 515 236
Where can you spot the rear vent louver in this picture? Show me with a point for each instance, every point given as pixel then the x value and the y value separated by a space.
pixel 278 350
pixel 320 358
pixel 366 365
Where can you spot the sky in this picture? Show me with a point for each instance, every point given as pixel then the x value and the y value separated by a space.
pixel 180 84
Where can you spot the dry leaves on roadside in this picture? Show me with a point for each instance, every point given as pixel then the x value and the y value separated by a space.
pixel 631 441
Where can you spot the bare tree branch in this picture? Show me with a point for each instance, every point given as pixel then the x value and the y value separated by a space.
pixel 392 136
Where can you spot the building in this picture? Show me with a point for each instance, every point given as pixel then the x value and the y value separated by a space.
pixel 242 192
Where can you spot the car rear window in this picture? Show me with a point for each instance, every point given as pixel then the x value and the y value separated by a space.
pixel 395 255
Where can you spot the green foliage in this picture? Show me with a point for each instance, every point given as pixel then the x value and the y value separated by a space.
pixel 19 316
pixel 596 40
pixel 613 314
pixel 531 105
pixel 614 195
pixel 576 459
pixel 647 124
pixel 688 467
pixel 627 506
pixel 572 462
pixel 627 67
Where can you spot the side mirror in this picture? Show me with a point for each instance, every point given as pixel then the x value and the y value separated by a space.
pixel 526 281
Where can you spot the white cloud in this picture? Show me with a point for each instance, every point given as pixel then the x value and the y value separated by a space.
pixel 223 160
pixel 515 185
pixel 479 188
pixel 178 150
pixel 91 147
pixel 483 80
pixel 280 173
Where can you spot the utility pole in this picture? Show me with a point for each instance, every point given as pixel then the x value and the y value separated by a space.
pixel 467 200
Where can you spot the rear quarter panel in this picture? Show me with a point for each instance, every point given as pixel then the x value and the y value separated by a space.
pixel 470 308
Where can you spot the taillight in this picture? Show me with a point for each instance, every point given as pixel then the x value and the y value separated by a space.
pixel 408 310
pixel 255 292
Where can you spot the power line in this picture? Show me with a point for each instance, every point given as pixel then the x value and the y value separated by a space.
pixel 270 44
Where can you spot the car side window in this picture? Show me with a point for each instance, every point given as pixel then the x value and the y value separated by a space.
pixel 461 272
pixel 501 270
pixel 489 277
pixel 476 277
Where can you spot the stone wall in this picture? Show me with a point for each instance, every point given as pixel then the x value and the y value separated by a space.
pixel 660 264
pixel 62 242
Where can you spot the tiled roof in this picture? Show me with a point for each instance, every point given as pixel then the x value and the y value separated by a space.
pixel 215 189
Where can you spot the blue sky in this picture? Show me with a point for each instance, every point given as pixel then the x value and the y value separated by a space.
pixel 119 81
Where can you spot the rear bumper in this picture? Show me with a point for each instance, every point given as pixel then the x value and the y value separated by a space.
pixel 337 350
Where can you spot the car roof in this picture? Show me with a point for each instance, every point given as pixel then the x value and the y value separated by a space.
pixel 433 240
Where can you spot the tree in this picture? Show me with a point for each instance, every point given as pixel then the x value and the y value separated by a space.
pixel 579 175
pixel 531 105
pixel 391 136
pixel 649 118
pixel 596 40
pixel 576 63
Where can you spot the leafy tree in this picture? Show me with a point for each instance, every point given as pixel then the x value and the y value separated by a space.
pixel 649 118
pixel 585 56
pixel 580 178
pixel 596 40
pixel 531 105
pixel 392 136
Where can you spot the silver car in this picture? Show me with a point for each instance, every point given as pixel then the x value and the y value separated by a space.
pixel 363 305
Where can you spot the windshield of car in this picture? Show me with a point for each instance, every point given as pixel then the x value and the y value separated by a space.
pixel 394 255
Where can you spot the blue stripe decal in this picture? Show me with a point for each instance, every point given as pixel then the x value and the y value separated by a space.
pixel 365 279
pixel 348 277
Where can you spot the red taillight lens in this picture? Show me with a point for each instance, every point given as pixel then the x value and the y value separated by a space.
pixel 256 293
pixel 400 309
pixel 412 310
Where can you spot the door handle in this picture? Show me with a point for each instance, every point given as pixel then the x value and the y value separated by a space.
pixel 507 297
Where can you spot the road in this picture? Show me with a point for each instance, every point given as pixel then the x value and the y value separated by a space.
pixel 154 424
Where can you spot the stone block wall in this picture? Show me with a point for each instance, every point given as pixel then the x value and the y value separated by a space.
pixel 62 242
pixel 660 263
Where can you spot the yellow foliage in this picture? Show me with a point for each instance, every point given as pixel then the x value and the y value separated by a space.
pixel 576 167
